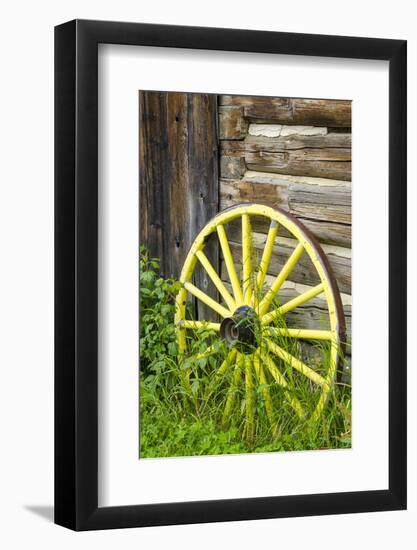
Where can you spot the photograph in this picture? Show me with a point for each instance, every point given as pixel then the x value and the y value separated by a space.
pixel 245 298
pixel 208 330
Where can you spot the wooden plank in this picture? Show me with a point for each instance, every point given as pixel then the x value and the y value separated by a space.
pixel 178 213
pixel 232 124
pixel 178 178
pixel 236 191
pixel 323 163
pixel 328 232
pixel 330 202
pixel 152 154
pixel 288 143
pixel 203 186
pixel 315 112
pixel 324 206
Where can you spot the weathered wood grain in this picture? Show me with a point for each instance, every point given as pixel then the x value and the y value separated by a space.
pixel 324 206
pixel 328 232
pixel 322 163
pixel 232 124
pixel 235 191
pixel 326 156
pixel 316 112
pixel 178 177
pixel 255 144
pixel 231 167
pixel 331 202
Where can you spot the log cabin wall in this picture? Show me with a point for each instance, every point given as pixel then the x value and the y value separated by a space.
pixel 201 153
pixel 294 154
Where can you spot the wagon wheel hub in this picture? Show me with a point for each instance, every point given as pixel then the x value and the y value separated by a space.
pixel 242 330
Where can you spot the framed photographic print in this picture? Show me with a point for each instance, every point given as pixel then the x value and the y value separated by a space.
pixel 230 275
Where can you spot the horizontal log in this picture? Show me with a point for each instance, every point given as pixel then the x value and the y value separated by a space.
pixel 326 232
pixel 255 144
pixel 236 191
pixel 315 112
pixel 232 124
pixel 319 202
pixel 322 163
pixel 304 272
pixel 324 206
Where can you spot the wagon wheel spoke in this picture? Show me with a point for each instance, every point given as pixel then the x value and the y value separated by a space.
pixel 292 304
pixel 303 333
pixel 280 279
pixel 230 401
pixel 230 266
pixel 196 325
pixel 205 262
pixel 246 258
pixel 203 297
pixel 187 371
pixel 265 389
pixel 330 376
pixel 297 364
pixel 280 380
pixel 226 363
pixel 205 353
pixel 265 260
pixel 250 398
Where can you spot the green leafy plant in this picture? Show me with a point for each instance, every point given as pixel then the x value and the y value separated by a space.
pixel 157 310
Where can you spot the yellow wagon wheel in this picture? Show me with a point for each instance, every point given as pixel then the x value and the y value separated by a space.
pixel 248 310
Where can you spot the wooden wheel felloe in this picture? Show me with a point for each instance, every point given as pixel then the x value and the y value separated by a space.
pixel 251 320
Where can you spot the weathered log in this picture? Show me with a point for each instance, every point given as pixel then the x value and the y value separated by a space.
pixel 323 205
pixel 236 191
pixel 331 202
pixel 326 232
pixel 276 144
pixel 323 163
pixel 232 124
pixel 316 112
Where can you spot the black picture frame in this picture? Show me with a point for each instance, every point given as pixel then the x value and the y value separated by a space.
pixel 76 271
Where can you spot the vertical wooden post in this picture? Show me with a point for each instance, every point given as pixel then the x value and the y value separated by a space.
pixel 179 187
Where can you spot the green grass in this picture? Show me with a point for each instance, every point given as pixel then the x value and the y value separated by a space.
pixel 182 403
